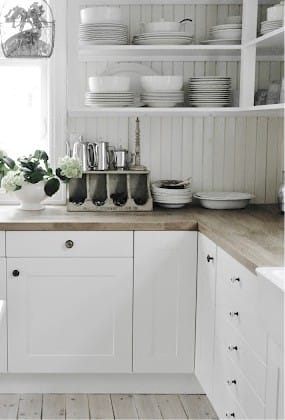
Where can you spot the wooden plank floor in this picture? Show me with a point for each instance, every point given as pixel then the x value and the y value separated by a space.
pixel 104 406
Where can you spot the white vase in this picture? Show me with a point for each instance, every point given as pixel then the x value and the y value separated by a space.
pixel 31 196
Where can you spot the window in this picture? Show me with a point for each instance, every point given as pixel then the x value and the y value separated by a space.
pixel 23 107
pixel 32 102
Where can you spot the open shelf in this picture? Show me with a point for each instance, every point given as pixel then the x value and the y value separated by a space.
pixel 269 44
pixel 277 110
pixel 158 52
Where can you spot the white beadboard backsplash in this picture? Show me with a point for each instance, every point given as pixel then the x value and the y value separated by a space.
pixel 224 154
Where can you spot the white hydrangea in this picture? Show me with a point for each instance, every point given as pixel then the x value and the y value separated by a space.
pixel 13 181
pixel 2 154
pixel 70 167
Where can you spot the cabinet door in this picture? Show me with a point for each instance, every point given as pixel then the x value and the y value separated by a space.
pixel 3 320
pixel 164 301
pixel 70 315
pixel 205 323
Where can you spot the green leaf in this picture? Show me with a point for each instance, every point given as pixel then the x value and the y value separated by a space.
pixel 52 186
pixel 9 162
pixel 58 173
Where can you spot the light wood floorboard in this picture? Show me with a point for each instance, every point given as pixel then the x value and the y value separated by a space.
pixel 124 406
pixel 30 406
pixel 198 407
pixel 105 407
pixel 53 406
pixel 77 407
pixel 100 407
pixel 170 407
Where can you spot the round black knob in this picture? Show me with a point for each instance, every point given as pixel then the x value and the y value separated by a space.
pixel 209 258
pixel 16 273
pixel 69 244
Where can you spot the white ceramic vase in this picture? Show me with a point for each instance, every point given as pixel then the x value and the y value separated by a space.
pixel 31 196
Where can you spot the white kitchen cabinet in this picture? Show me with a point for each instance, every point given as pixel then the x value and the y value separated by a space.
pixel 70 315
pixel 3 318
pixel 164 301
pixel 205 321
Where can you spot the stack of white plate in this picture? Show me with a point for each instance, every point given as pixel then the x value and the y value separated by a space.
pixel 210 91
pixel 106 33
pixel 228 33
pixel 171 197
pixel 162 91
pixel 109 99
pixel 163 38
pixel 270 25
pixel 162 99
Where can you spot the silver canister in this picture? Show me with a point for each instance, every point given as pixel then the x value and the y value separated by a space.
pixel 121 159
pixel 102 156
pixel 80 152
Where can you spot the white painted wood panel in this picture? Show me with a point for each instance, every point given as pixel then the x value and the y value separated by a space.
pixel 205 318
pixel 84 244
pixel 87 330
pixel 164 302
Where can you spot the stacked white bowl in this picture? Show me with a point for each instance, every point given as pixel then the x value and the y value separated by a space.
pixel 168 194
pixel 162 91
pixel 275 18
pixel 102 25
pixel 162 33
pixel 109 91
pixel 228 33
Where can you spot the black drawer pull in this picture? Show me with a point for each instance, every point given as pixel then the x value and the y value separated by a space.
pixel 16 273
pixel 69 244
pixel 209 258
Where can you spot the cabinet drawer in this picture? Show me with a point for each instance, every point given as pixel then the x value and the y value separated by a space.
pixel 223 401
pixel 243 356
pixel 250 331
pixel 238 385
pixel 236 285
pixel 69 244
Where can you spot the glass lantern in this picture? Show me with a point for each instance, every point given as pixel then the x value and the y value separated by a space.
pixel 27 29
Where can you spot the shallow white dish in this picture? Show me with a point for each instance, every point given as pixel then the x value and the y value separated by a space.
pixel 110 84
pixel 161 25
pixel 226 34
pixel 162 83
pixel 223 200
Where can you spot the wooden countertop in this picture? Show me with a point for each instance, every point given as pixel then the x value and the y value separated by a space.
pixel 254 236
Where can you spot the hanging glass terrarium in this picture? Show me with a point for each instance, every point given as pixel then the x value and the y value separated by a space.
pixel 27 29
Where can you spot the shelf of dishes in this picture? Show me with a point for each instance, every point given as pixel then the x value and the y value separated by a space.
pixel 104 25
pixel 157 91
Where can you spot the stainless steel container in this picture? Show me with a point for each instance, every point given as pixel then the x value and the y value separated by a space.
pixel 121 159
pixel 102 156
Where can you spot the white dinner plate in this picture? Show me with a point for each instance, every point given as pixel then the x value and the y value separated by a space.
pixel 221 42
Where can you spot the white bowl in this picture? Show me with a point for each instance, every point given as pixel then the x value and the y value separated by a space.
pixel 109 84
pixel 223 200
pixel 162 83
pixel 161 26
pixel 234 19
pixel 101 14
pixel 226 34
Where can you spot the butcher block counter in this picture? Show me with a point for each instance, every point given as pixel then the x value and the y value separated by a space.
pixel 254 236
